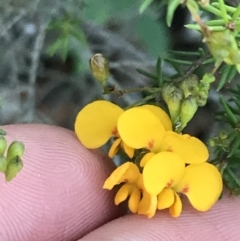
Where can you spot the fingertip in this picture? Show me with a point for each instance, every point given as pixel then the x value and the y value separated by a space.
pixel 220 223
pixel 58 195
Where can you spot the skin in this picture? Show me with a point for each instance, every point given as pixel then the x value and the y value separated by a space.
pixel 58 196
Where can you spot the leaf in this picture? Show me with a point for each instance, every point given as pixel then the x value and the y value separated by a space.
pixel 145 5
pixel 147 74
pixel 234 147
pixel 172 6
pixel 231 117
pixel 223 10
pixel 159 70
pixel 54 47
pixel 225 70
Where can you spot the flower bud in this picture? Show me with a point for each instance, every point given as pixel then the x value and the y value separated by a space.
pixel 188 110
pixel 15 165
pixel 99 66
pixel 189 85
pixel 223 47
pixel 167 90
pixel 16 148
pixel 3 164
pixel 223 135
pixel 3 145
pixel 173 98
pixel 202 98
pixel 212 142
pixel 208 78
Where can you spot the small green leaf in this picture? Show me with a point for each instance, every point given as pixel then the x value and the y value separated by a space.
pixel 145 5
pixel 185 53
pixel 229 8
pixel 223 10
pixel 231 117
pixel 236 13
pixel 234 147
pixel 215 11
pixel 179 61
pixel 215 22
pixel 172 6
pixel 225 70
pixel 147 74
pixel 159 71
pixel 53 49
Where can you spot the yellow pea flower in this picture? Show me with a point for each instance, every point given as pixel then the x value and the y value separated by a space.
pixel 140 127
pixel 96 123
pixel 165 175
pixel 139 200
pixel 189 148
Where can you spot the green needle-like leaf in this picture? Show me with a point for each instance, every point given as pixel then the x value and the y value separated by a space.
pixel 234 147
pixel 145 5
pixel 223 10
pixel 236 13
pixel 147 74
pixel 225 70
pixel 231 117
pixel 172 6
pixel 159 71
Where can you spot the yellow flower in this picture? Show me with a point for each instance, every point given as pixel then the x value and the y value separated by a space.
pixel 139 200
pixel 96 123
pixel 143 127
pixel 189 148
pixel 165 175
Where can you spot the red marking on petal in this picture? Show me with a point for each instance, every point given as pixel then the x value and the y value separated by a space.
pixel 185 189
pixel 169 184
pixel 170 149
pixel 150 144
pixel 115 131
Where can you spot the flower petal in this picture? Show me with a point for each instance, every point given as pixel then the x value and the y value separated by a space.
pixel 202 184
pixel 176 209
pixel 114 148
pixel 128 150
pixel 122 193
pixel 148 205
pixel 162 115
pixel 165 198
pixel 128 172
pixel 96 123
pixel 164 169
pixel 140 128
pixel 191 149
pixel 146 158
pixel 134 200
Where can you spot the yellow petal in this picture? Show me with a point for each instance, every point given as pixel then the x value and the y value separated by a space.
pixel 134 200
pixel 164 169
pixel 128 150
pixel 114 148
pixel 162 115
pixel 96 123
pixel 191 149
pixel 128 172
pixel 202 184
pixel 176 209
pixel 165 198
pixel 148 205
pixel 140 128
pixel 146 158
pixel 122 193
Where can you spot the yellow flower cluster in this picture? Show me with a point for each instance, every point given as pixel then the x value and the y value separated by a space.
pixel 173 163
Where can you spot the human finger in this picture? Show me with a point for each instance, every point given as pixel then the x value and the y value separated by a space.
pixel 58 195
